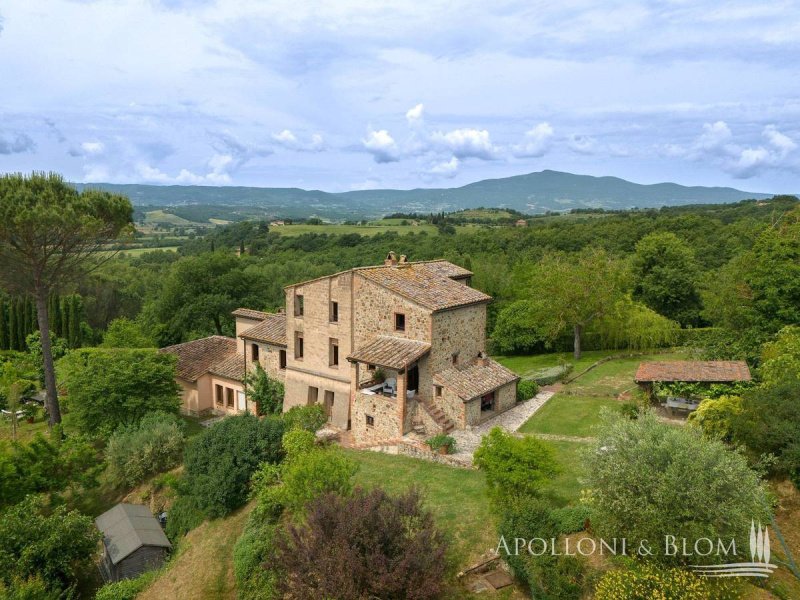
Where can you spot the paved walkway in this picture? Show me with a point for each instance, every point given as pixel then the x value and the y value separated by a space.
pixel 467 440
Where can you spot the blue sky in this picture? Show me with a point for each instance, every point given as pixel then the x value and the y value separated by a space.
pixel 361 94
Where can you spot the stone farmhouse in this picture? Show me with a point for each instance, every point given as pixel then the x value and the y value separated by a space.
pixel 386 350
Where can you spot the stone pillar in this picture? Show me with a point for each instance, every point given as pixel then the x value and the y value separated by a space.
pixel 354 383
pixel 402 386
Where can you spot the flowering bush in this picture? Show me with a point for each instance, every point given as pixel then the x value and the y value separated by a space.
pixel 647 582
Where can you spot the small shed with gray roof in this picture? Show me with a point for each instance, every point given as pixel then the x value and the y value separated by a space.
pixel 133 542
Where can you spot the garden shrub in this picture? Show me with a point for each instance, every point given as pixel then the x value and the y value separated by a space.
pixel 514 466
pixel 54 544
pixel 442 441
pixel 311 418
pixel 647 581
pixel 220 461
pixel 254 547
pixel 526 389
pixel 369 545
pixel 153 445
pixel 769 423
pixel 308 472
pixel 629 410
pixel 547 576
pixel 267 392
pixel 716 416
pixel 32 588
pixel 572 519
pixel 183 516
pixel 126 589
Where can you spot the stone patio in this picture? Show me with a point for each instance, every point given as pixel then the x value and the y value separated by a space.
pixel 467 440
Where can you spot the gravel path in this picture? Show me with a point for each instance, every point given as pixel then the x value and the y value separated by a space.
pixel 467 440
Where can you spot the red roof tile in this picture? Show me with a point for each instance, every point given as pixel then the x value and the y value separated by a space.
pixel 475 378
pixel 712 371
pixel 249 313
pixel 392 352
pixel 272 330
pixel 197 357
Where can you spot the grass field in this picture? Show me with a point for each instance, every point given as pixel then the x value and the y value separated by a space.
pixel 569 415
pixel 337 229
pixel 160 216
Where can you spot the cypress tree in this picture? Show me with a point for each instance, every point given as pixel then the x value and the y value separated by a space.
pixel 55 314
pixel 12 325
pixel 74 320
pixel 3 325
pixel 21 324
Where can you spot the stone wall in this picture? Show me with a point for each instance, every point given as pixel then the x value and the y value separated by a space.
pixel 268 358
pixel 505 397
pixel 462 331
pixel 453 406
pixel 314 369
pixel 384 412
pixel 428 423
pixel 242 325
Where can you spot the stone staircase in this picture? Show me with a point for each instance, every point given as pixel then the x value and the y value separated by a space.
pixel 437 414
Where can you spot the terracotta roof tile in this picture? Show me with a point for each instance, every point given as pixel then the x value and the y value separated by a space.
pixel 249 313
pixel 425 285
pixel 392 352
pixel 232 367
pixel 693 371
pixel 475 378
pixel 196 358
pixel 444 268
pixel 272 330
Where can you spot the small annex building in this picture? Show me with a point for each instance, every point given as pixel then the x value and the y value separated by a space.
pixel 692 371
pixel 133 542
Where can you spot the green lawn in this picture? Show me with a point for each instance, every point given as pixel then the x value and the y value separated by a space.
pixel 565 414
pixel 524 365
pixel 457 497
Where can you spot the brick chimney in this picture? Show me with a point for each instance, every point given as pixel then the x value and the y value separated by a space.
pixel 391 260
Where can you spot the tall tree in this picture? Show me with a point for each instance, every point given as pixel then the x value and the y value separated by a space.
pixel 563 292
pixel 665 275
pixel 50 235
pixel 4 341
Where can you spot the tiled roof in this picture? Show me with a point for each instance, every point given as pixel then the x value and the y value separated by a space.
pixel 475 378
pixel 444 268
pixel 272 330
pixel 232 367
pixel 196 358
pixel 421 283
pixel 249 313
pixel 691 370
pixel 392 352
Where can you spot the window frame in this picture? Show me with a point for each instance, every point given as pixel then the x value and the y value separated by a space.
pixel 299 345
pixel 333 352
pixel 333 311
pixel 299 305
pixel 255 352
pixel 398 316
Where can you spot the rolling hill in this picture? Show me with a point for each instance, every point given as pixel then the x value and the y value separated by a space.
pixel 533 193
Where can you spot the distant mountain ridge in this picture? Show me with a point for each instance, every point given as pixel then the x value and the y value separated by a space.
pixel 533 193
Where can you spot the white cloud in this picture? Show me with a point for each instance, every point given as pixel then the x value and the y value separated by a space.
pixel 536 143
pixel 446 169
pixel 465 143
pixel 290 141
pixel 382 146
pixel 718 144
pixel 782 143
pixel 415 115
pixel 93 147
